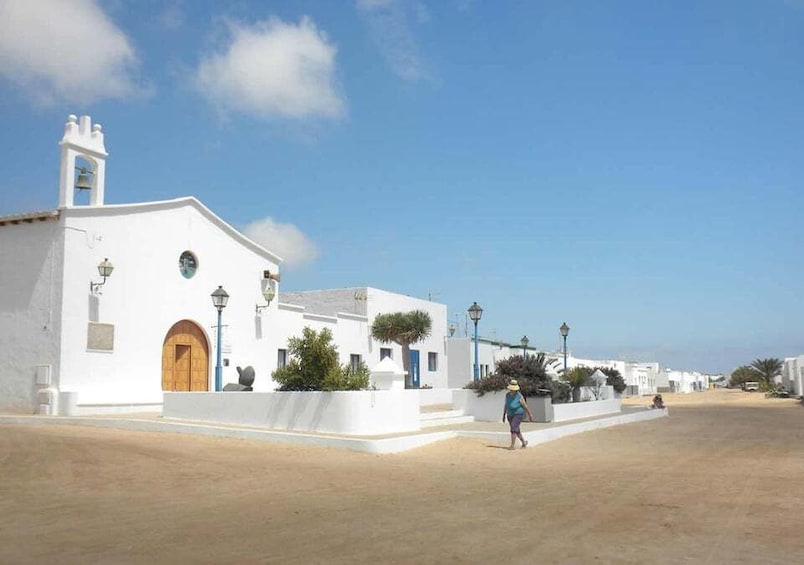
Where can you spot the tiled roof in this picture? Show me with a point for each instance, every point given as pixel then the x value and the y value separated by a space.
pixel 30 217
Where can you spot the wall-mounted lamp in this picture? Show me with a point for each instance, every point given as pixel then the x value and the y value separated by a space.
pixel 268 294
pixel 105 269
pixel 84 182
pixel 268 291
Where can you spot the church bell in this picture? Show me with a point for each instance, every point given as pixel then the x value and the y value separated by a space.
pixel 83 182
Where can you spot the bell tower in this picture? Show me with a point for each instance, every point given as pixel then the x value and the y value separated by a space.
pixel 82 139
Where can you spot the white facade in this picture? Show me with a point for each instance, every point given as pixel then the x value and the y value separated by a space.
pixel 362 305
pixel 57 324
pixel 641 378
pixel 489 353
pixel 793 375
pixel 104 348
pixel 685 381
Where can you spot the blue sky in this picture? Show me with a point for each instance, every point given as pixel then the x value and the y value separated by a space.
pixel 633 168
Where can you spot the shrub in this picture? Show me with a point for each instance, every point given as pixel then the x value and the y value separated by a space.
pixel 347 378
pixel 314 365
pixel 529 372
pixel 613 378
pixel 576 378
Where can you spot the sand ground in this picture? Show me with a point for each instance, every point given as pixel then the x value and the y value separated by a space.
pixel 719 481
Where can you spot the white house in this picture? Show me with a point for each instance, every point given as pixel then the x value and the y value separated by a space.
pixel 461 352
pixel 429 359
pixel 682 381
pixel 104 307
pixel 793 374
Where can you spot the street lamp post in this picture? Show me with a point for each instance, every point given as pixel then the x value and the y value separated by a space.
pixel 564 330
pixel 475 313
pixel 524 341
pixel 219 300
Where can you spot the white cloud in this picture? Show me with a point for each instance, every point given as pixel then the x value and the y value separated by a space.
pixel 286 240
pixel 65 51
pixel 391 31
pixel 273 69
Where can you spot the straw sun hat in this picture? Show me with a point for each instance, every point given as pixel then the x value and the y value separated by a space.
pixel 513 385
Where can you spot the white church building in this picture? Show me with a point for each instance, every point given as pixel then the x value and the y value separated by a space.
pixel 108 306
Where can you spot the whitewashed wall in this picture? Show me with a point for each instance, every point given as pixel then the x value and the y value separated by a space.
pixel 30 302
pixel 489 407
pixel 361 305
pixel 146 294
pixel 793 374
pixel 289 320
pixel 381 301
pixel 351 413
pixel 486 408
pixel 461 353
pixel 577 410
pixel 432 396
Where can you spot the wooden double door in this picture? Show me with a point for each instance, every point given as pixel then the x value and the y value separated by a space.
pixel 185 358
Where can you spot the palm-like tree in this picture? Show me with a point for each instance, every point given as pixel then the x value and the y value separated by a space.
pixel 767 370
pixel 577 377
pixel 403 328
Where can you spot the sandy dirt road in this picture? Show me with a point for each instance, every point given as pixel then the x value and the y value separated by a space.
pixel 719 481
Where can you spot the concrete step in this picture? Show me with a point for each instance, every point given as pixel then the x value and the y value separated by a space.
pixel 444 418
pixel 435 415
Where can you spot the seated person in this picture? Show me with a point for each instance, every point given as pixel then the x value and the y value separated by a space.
pixel 657 402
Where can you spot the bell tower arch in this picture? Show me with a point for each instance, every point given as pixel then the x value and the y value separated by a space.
pixel 82 139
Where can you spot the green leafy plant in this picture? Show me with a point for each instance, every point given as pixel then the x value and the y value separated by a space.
pixel 576 378
pixel 347 378
pixel 529 372
pixel 314 365
pixel 613 378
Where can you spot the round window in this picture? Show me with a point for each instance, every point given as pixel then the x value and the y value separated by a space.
pixel 187 265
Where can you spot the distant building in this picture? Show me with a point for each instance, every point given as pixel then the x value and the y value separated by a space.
pixel 793 374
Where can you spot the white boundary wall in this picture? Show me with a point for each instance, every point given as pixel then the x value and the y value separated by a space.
pixel 342 412
pixel 489 407
pixel 576 410
pixel 430 396
pixel 486 408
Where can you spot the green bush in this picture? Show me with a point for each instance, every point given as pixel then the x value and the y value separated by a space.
pixel 613 378
pixel 576 378
pixel 529 372
pixel 347 378
pixel 314 365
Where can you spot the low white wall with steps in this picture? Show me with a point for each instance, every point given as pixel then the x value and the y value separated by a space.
pixel 342 412
pixel 444 418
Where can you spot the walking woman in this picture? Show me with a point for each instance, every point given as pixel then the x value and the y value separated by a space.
pixel 515 409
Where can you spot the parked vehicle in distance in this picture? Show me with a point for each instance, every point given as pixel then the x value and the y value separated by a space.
pixel 750 386
pixel 778 393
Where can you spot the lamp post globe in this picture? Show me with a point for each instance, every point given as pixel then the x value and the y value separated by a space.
pixel 219 300
pixel 564 331
pixel 475 313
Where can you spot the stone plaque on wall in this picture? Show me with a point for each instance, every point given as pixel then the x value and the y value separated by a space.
pixel 100 337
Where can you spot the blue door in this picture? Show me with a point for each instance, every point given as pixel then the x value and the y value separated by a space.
pixel 414 368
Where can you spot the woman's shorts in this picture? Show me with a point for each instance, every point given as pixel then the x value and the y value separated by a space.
pixel 514 422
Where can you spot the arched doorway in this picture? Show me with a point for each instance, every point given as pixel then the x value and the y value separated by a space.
pixel 185 358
